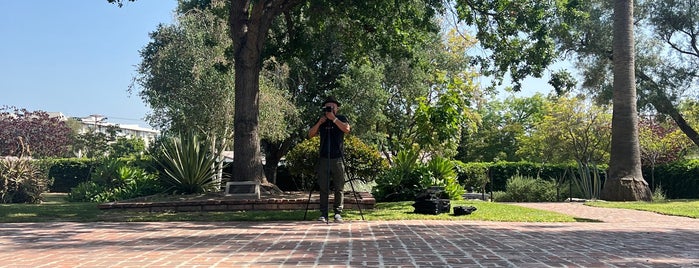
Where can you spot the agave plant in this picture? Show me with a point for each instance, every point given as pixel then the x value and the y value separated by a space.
pixel 187 164
pixel 588 180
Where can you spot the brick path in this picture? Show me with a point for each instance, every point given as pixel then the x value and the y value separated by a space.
pixel 622 240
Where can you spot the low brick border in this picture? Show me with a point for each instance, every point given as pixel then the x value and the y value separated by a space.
pixel 366 201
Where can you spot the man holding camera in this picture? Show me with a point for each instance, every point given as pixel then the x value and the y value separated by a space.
pixel 332 128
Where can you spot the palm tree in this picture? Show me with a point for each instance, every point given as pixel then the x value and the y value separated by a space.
pixel 625 181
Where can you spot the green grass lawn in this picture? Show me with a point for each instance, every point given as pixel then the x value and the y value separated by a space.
pixel 684 208
pixel 55 208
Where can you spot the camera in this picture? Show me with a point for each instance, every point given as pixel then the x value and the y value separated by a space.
pixel 327 109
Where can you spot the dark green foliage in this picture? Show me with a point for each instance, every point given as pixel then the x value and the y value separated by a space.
pixel 441 172
pixel 69 172
pixel 187 163
pixel 85 192
pixel 402 181
pixel 124 147
pixel 679 180
pixel 288 182
pixel 106 172
pixel 362 162
pixel 470 174
pixel 301 162
pixel 474 176
pixel 589 180
pixel 22 180
pixel 528 189
pixel 114 180
pixel 408 177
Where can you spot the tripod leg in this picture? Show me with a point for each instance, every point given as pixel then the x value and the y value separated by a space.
pixel 356 200
pixel 310 192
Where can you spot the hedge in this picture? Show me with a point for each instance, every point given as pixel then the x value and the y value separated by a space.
pixel 679 180
pixel 67 173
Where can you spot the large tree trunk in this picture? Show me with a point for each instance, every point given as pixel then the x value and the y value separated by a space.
pixel 249 22
pixel 247 45
pixel 274 151
pixel 625 181
pixel 247 162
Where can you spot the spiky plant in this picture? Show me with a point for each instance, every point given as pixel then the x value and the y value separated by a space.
pixel 187 164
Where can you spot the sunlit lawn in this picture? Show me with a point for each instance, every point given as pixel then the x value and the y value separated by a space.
pixel 685 208
pixel 57 209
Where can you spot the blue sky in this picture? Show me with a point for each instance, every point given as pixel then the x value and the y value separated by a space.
pixel 76 57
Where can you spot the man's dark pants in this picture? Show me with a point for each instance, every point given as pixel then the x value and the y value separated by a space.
pixel 336 170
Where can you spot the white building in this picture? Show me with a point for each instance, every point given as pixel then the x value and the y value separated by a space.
pixel 99 123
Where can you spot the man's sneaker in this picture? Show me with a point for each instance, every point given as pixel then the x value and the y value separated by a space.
pixel 322 219
pixel 338 218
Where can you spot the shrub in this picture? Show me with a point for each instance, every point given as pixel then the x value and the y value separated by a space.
pixel 408 177
pixel 105 172
pixel 659 194
pixel 187 164
pixel 588 180
pixel 679 180
pixel 441 172
pixel 472 175
pixel 402 181
pixel 22 180
pixel 130 182
pixel 528 189
pixel 67 173
pixel 85 192
pixel 362 163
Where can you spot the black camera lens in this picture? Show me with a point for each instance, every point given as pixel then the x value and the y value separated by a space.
pixel 327 109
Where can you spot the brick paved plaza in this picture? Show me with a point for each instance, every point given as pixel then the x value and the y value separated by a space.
pixel 625 239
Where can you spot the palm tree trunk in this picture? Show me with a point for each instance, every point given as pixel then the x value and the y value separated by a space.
pixel 625 181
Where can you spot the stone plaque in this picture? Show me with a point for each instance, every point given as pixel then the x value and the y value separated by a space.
pixel 243 189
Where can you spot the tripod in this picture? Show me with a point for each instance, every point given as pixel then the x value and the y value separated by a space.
pixel 310 192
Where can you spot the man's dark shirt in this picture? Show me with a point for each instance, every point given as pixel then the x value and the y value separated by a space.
pixel 336 135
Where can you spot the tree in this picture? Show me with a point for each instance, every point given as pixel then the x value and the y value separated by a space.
pixel 518 36
pixel 94 143
pixel 676 23
pixel 249 24
pixel 426 101
pixel 502 127
pixel 660 143
pixel 665 64
pixel 532 26
pixel 34 132
pixel 570 129
pixel 187 80
pixel 123 147
pixel 625 181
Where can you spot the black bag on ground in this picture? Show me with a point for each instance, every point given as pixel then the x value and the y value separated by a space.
pixel 432 201
pixel 463 210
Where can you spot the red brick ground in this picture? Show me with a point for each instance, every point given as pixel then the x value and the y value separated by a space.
pixel 625 239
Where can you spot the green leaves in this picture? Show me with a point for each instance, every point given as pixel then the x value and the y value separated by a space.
pixel 187 163
pixel 22 180
pixel 519 35
pixel 362 162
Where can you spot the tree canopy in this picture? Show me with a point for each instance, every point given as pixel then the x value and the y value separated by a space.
pixel 33 133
